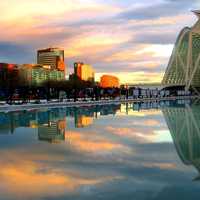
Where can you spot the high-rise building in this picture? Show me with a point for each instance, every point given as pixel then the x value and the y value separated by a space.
pixel 108 81
pixel 84 72
pixel 53 57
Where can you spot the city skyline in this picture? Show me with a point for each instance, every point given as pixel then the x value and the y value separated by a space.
pixel 130 39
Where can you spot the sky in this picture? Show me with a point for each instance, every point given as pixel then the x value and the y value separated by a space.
pixel 132 39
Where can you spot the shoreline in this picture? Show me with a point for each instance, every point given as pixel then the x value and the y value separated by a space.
pixel 29 106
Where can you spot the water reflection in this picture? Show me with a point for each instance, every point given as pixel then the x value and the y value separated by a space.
pixel 184 125
pixel 52 124
pixel 53 131
pixel 101 152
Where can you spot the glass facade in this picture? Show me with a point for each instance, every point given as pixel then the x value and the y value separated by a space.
pixel 35 75
pixel 184 65
pixel 53 57
pixel 183 123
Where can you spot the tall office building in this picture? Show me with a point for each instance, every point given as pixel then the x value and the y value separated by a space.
pixel 84 72
pixel 53 57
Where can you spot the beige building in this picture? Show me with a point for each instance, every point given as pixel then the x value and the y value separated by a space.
pixel 84 71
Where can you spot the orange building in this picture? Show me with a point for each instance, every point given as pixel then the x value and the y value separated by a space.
pixel 108 81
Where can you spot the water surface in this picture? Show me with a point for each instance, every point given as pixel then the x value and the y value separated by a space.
pixel 131 151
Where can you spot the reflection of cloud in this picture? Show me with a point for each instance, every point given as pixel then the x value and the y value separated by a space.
pixel 161 165
pixel 142 133
pixel 17 178
pixel 26 179
pixel 148 122
pixel 137 134
pixel 95 144
pixel 34 170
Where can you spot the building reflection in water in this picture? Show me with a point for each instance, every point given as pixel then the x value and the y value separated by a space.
pixel 51 125
pixel 182 118
pixel 83 121
pixel 184 125
pixel 53 131
pixel 55 120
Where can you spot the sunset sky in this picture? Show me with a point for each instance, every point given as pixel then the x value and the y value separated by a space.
pixel 130 38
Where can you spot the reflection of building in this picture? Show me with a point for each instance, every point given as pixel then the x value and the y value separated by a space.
pixel 53 132
pixel 184 126
pixel 110 110
pixel 33 124
pixel 184 65
pixel 108 81
pixel 53 57
pixel 51 124
pixel 83 121
pixel 84 72
pixel 32 119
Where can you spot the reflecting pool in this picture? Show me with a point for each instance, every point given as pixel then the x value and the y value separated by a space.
pixel 129 151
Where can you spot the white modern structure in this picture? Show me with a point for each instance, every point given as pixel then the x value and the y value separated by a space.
pixel 184 65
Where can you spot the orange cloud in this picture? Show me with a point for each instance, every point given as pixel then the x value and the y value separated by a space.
pixel 25 178
pixel 136 77
pixel 134 133
pixel 161 165
pixel 140 135
pixel 88 145
pixel 148 122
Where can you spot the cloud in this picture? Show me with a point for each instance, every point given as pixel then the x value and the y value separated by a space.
pixel 13 52
pixel 164 9
pixel 40 179
pixel 105 34
pixel 136 77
